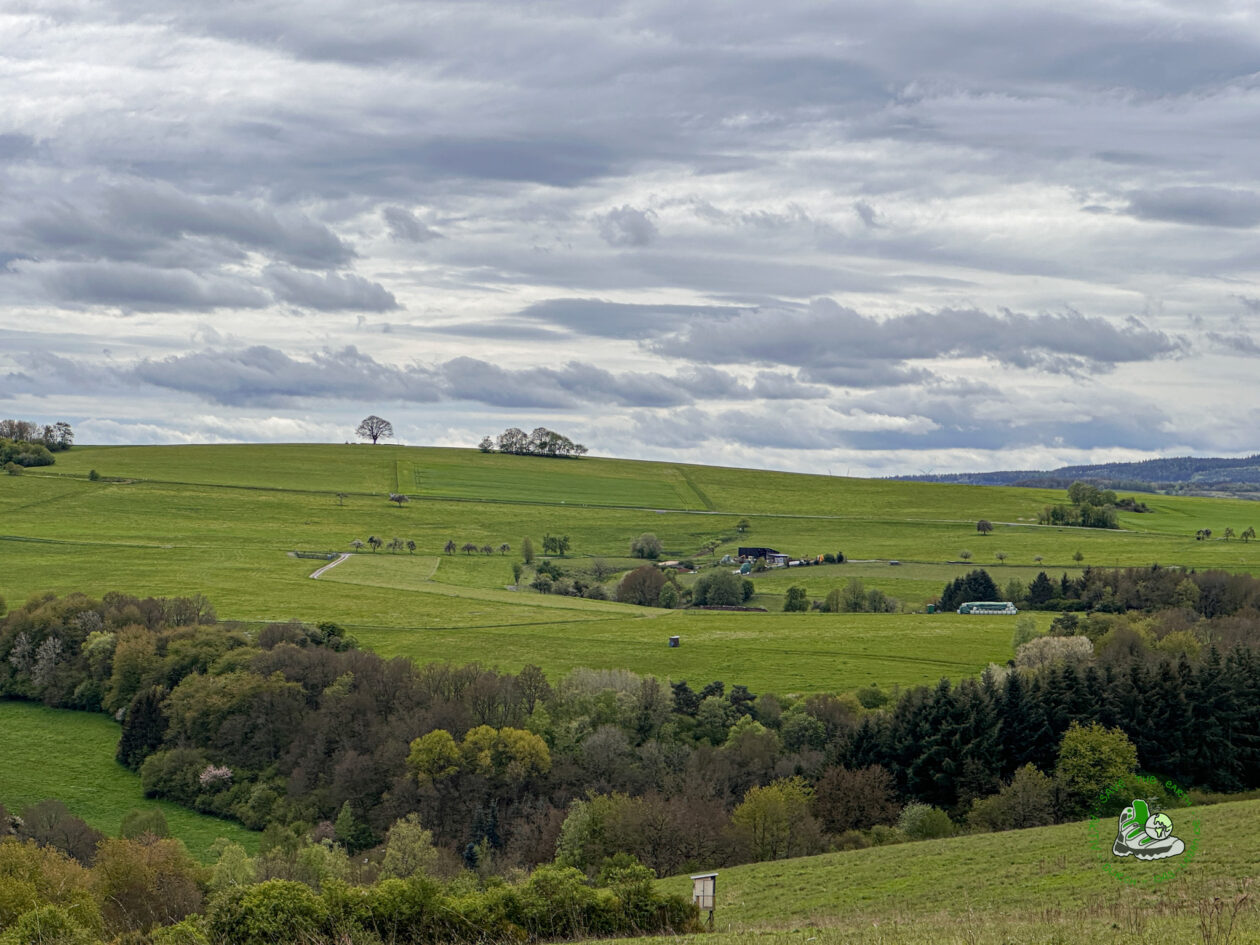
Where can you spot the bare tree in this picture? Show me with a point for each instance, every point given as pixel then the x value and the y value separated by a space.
pixel 449 547
pixel 357 544
pixel 396 545
pixel 965 554
pixel 375 428
pixel 1001 556
pixel 487 549
pixel 504 548
pixel 341 498
pixel 399 498
pixel 468 547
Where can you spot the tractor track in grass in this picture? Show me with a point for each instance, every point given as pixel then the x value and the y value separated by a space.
pixel 332 564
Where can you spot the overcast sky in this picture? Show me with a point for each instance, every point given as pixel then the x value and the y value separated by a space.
pixel 869 238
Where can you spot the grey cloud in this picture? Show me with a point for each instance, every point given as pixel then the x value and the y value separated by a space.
pixel 16 147
pixel 1200 206
pixel 140 288
pixel 837 345
pixel 331 292
pixel 774 385
pixel 866 213
pixel 404 226
pixel 604 319
pixel 627 226
pixel 144 221
pixel 262 375
pixel 576 384
pixel 265 376
pixel 1234 342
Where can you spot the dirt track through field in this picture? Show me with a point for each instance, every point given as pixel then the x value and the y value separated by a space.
pixel 332 564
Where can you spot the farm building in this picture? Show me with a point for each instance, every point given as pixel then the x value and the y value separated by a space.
pixel 988 607
pixel 775 559
pixel 752 554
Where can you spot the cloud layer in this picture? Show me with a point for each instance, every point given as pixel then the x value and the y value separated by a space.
pixel 971 236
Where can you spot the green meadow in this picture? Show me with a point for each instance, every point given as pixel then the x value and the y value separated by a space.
pixel 223 520
pixel 70 756
pixel 1045 884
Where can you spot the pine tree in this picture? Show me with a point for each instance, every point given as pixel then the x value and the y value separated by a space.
pixel 144 727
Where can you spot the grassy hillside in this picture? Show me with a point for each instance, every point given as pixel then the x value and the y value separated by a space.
pixel 221 520
pixel 1039 885
pixel 70 756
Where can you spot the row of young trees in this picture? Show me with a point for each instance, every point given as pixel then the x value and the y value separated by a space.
pixel 539 442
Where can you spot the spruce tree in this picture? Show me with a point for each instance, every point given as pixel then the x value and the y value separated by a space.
pixel 143 728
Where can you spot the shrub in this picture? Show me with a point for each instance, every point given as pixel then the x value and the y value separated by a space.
pixel 642 586
pixel 924 822
pixel 747 590
pixel 277 910
pixel 94 476
pixel 872 697
pixel 1045 651
pixel 847 800
pixel 47 925
pixel 174 774
pixel 797 600
pixel 144 883
pixel 718 589
pixel 137 823
pixel 1028 801
pixel 646 545
pixel 669 596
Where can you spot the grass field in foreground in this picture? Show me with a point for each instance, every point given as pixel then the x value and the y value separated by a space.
pixel 1039 885
pixel 1044 867
pixel 70 756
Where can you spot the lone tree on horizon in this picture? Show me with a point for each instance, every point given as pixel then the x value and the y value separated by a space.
pixel 375 428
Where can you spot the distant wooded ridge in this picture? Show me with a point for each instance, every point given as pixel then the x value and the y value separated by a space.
pixel 1170 474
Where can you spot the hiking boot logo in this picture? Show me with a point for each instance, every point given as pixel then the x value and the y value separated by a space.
pixel 1145 835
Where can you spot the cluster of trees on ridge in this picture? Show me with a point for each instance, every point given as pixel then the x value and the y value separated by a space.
pixel 1090 507
pixel 24 443
pixel 540 442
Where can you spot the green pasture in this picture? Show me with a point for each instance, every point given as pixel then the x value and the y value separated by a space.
pixel 532 479
pixel 69 755
pixel 1040 885
pixel 784 653
pixel 222 520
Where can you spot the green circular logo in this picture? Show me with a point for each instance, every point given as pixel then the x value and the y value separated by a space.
pixel 1143 831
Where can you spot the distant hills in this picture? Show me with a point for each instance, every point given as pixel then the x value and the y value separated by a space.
pixel 1238 477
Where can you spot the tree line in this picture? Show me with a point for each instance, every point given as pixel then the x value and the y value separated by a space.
pixel 61 882
pixel 540 442
pixel 24 443
pixel 288 727
pixel 1210 593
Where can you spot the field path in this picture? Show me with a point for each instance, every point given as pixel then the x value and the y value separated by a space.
pixel 331 564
